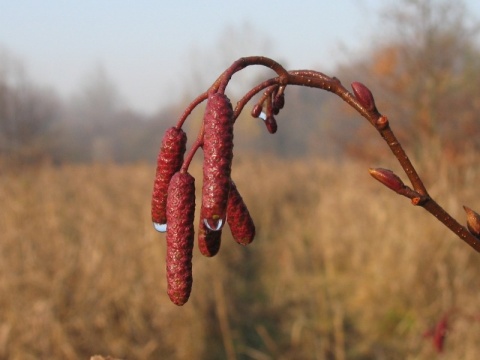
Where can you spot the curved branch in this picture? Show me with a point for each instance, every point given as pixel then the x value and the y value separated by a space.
pixel 361 101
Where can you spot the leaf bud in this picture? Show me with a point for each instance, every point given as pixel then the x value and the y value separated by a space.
pixel 364 96
pixel 238 218
pixel 387 178
pixel 473 222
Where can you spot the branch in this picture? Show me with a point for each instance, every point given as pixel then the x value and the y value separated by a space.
pixel 217 137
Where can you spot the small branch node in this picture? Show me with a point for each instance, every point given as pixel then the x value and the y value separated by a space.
pixel 381 123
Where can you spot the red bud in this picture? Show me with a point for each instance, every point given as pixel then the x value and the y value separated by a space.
pixel 238 218
pixel 364 96
pixel 473 222
pixel 387 178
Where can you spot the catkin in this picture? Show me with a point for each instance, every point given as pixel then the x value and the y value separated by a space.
pixel 169 161
pixel 218 154
pixel 238 218
pixel 180 236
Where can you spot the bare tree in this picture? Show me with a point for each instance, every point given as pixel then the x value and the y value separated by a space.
pixel 424 62
pixel 28 114
pixel 93 112
pixel 431 65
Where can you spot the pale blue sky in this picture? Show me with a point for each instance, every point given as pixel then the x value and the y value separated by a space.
pixel 146 45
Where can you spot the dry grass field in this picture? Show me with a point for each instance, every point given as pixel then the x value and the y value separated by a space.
pixel 342 268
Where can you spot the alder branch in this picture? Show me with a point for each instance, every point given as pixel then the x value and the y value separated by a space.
pixel 321 81
pixel 220 198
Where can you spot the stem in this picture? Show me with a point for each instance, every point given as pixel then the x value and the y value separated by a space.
pixel 246 98
pixel 397 149
pixel 461 231
pixel 319 80
pixel 199 99
pixel 195 146
pixel 219 86
pixel 374 117
pixel 243 62
pixel 332 85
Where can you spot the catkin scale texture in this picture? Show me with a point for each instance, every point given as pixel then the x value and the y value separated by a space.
pixel 218 154
pixel 169 161
pixel 180 236
pixel 238 218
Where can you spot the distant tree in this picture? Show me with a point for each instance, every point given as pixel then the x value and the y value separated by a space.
pixel 232 43
pixel 437 67
pixel 424 68
pixel 426 74
pixel 98 98
pixel 91 117
pixel 29 115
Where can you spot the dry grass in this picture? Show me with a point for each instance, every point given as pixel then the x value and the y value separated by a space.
pixel 341 269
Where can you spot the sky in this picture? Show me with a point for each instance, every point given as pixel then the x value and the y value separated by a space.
pixel 154 51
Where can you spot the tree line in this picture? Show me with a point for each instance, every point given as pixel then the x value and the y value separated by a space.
pixel 424 77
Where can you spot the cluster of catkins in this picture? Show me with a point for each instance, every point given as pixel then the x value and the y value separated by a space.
pixel 173 200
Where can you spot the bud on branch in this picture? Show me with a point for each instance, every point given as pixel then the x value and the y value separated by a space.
pixel 388 178
pixel 173 200
pixel 238 217
pixel 473 221
pixel 364 96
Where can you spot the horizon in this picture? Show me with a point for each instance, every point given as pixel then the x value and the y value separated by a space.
pixel 146 48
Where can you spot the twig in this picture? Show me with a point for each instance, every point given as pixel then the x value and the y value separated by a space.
pixel 217 141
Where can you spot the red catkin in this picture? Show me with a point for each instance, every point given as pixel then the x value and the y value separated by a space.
pixel 218 154
pixel 208 241
pixel 238 218
pixel 169 161
pixel 180 236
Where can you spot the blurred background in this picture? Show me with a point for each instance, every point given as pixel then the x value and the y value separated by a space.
pixel 341 268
